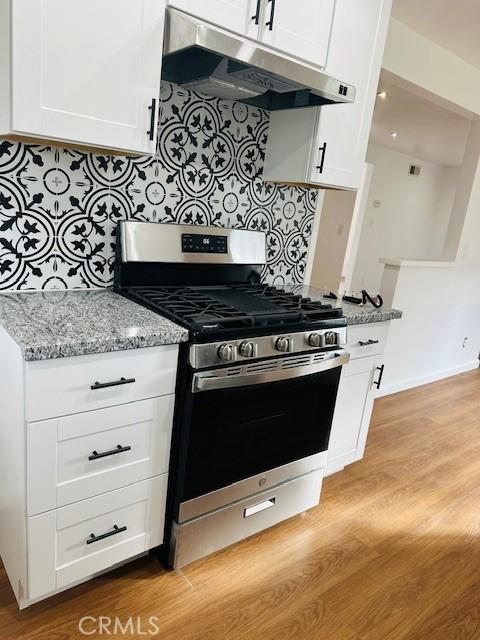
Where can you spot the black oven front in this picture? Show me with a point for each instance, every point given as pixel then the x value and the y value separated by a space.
pixel 243 423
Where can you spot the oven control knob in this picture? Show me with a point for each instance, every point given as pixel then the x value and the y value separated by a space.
pixel 315 340
pixel 330 338
pixel 248 349
pixel 227 352
pixel 283 344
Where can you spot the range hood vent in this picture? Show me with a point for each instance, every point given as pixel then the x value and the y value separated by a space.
pixel 207 59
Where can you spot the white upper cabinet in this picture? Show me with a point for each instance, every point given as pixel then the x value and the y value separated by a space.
pixel 327 145
pixel 239 16
pixel 301 28
pixel 345 129
pixel 85 72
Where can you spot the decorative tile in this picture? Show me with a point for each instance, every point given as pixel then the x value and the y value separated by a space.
pixel 26 257
pixel 59 208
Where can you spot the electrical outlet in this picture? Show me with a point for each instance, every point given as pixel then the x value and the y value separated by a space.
pixel 464 343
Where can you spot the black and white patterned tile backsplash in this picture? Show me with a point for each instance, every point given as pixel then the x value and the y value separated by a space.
pixel 59 208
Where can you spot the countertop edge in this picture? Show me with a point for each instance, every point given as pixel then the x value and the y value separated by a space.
pixel 370 318
pixel 37 353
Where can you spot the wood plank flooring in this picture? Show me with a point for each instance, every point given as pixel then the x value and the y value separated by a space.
pixel 392 552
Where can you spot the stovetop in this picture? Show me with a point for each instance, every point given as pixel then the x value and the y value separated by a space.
pixel 236 310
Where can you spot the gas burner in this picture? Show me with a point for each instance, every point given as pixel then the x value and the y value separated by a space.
pixel 204 310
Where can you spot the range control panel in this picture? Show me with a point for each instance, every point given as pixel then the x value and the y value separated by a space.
pixel 203 243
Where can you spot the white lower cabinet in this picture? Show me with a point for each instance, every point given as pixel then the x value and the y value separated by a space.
pixel 84 460
pixel 72 543
pixel 356 394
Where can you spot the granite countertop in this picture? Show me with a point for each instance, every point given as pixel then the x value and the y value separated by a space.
pixel 354 313
pixel 58 324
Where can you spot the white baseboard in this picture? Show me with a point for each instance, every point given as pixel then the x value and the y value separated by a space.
pixel 426 379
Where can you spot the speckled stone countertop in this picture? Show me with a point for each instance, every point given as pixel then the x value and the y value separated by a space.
pixel 58 324
pixel 354 313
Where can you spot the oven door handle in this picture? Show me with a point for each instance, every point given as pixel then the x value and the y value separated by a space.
pixel 210 380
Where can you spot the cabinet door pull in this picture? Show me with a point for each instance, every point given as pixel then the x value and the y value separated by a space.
pixel 367 343
pixel 104 454
pixel 116 529
pixel 323 150
pixel 269 24
pixel 256 17
pixel 378 382
pixel 114 383
pixel 153 112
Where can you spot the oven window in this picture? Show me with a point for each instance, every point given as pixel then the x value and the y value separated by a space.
pixel 240 432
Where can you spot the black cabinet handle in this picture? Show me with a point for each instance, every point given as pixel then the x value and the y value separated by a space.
pixel 114 383
pixel 256 17
pixel 153 111
pixel 323 150
pixel 93 538
pixel 378 382
pixel 104 454
pixel 367 343
pixel 269 24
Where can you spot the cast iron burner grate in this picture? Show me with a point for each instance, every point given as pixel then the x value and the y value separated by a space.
pixel 205 309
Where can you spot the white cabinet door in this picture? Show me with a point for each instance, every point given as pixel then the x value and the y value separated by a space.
pixel 239 16
pixel 356 49
pixel 87 72
pixel 301 28
pixel 352 412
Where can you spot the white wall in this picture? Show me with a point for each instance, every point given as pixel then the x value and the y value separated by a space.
pixel 412 219
pixel 441 307
pixel 463 235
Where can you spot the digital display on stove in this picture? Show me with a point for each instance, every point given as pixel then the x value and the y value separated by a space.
pixel 202 243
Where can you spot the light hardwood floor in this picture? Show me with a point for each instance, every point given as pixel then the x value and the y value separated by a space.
pixel 392 552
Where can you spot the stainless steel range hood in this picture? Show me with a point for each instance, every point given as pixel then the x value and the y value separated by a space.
pixel 208 59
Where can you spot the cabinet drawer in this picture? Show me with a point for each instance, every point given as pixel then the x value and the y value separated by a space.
pixel 367 339
pixel 123 523
pixel 83 455
pixel 64 386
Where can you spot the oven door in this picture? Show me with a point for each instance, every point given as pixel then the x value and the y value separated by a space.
pixel 248 420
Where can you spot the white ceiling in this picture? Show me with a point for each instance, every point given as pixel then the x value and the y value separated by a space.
pixel 425 130
pixel 453 24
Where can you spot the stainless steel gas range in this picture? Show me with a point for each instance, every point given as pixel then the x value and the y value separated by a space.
pixel 256 386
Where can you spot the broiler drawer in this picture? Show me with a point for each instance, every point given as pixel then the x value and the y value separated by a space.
pixel 209 533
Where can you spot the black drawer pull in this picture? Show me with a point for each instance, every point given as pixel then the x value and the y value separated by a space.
pixel 378 382
pixel 153 113
pixel 115 383
pixel 367 343
pixel 93 538
pixel 96 456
